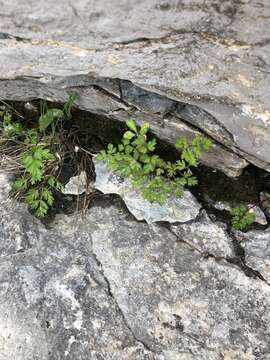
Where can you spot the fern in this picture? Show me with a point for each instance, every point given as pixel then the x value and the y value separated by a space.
pixel 39 200
pixel 49 118
pixel 8 127
pixel 38 159
pixel 34 161
pixel 242 217
pixel 156 179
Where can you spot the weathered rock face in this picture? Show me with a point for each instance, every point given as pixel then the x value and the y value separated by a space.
pixel 110 287
pixel 256 244
pixel 202 61
pixel 181 305
pixel 181 209
pixel 55 302
pixel 206 236
pixel 106 286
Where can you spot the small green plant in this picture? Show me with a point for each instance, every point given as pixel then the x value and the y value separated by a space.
pixel 40 155
pixel 134 157
pixel 8 127
pixel 242 217
pixel 36 183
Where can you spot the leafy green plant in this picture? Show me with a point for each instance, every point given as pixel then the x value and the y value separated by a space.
pixel 39 158
pixel 36 183
pixel 134 157
pixel 8 127
pixel 242 217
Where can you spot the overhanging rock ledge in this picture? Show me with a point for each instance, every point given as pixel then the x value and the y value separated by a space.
pixel 203 63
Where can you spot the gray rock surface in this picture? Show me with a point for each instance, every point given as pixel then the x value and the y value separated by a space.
pixel 206 236
pixel 109 287
pixel 76 185
pixel 256 244
pixel 259 216
pixel 204 61
pixel 106 286
pixel 173 210
pixel 55 302
pixel 183 306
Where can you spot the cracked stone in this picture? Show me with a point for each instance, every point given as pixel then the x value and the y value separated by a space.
pixel 206 236
pixel 256 244
pixel 107 286
pixel 54 300
pixel 204 63
pixel 182 305
pixel 76 185
pixel 181 209
pixel 260 218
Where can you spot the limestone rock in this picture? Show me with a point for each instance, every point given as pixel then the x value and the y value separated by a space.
pixel 107 286
pixel 55 302
pixel 173 210
pixel 76 185
pixel 19 231
pixel 205 63
pixel 206 236
pixel 256 244
pixel 260 218
pixel 182 305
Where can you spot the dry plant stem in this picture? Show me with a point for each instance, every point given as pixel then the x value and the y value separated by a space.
pixel 88 152
pixel 11 108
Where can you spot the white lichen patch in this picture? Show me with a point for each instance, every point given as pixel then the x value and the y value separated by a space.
pixel 71 341
pixel 250 111
pixel 68 295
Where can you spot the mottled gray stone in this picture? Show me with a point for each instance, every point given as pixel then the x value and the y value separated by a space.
pixel 19 231
pixel 173 210
pixel 206 236
pixel 106 286
pixel 76 185
pixel 54 300
pixel 259 215
pixel 182 305
pixel 21 337
pixel 202 61
pixel 265 202
pixel 256 244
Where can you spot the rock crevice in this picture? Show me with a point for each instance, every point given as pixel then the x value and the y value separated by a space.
pixel 139 292
pixel 110 292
